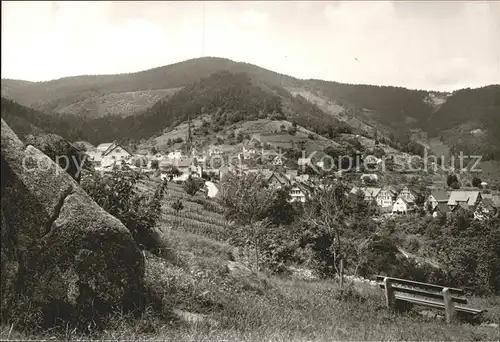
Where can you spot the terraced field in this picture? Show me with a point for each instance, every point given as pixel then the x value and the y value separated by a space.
pixel 200 215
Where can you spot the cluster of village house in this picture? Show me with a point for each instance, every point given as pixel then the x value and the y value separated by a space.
pixel 107 155
pixel 438 202
pixel 389 199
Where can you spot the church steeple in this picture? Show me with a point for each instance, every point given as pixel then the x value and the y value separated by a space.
pixel 189 138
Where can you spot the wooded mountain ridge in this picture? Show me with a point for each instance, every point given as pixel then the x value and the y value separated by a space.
pixel 153 99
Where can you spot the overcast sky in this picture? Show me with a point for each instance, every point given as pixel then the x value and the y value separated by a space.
pixel 425 45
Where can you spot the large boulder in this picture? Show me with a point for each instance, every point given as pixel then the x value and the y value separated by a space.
pixel 63 256
pixel 61 151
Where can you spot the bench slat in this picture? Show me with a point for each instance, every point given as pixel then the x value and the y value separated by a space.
pixel 420 284
pixel 424 293
pixel 436 305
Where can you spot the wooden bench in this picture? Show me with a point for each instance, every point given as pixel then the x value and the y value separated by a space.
pixel 401 291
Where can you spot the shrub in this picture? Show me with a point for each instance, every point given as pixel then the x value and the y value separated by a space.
pixel 116 193
pixel 154 164
pixel 192 185
pixel 476 182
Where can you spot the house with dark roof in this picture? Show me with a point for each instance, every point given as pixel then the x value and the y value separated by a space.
pixel 461 205
pixel 113 154
pixel 441 208
pixel 436 197
pixel 277 180
pixel 485 208
pixel 370 193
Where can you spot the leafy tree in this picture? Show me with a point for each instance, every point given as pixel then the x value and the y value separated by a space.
pixel 281 211
pixel 155 164
pixel 117 194
pixel 177 206
pixel 468 250
pixel 239 137
pixel 248 201
pixel 328 217
pixel 192 185
pixel 476 182
pixel 452 178
pixel 174 171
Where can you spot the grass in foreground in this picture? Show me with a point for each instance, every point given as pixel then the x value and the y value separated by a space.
pixel 202 302
pixel 225 308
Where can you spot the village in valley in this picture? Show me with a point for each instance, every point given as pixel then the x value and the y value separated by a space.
pixel 299 178
pixel 250 171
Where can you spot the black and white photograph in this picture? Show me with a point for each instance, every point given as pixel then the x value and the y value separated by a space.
pixel 250 171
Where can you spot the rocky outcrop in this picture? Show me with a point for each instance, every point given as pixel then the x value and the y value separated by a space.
pixel 59 150
pixel 62 254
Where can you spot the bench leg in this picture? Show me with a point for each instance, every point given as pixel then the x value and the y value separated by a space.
pixel 389 294
pixel 449 307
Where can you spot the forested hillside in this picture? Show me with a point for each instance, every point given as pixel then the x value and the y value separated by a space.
pixel 228 97
pixel 49 95
pixel 467 119
pixel 24 120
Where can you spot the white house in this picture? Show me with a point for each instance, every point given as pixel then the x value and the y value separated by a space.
pixel 407 194
pixel 386 197
pixel 177 154
pixel 214 152
pixel 401 206
pixel 278 160
pixel 104 147
pixel 298 193
pixel 95 156
pixel 113 154
pixel 471 198
pixel 247 152
pixel 303 161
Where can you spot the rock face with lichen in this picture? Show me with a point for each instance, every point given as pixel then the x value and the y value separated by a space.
pixel 63 256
